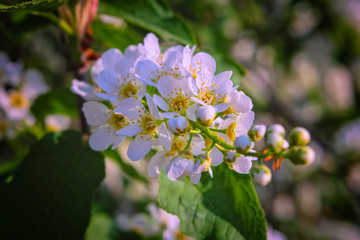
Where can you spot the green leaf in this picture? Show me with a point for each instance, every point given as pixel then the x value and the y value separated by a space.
pixel 225 207
pixel 100 227
pixel 51 192
pixel 129 170
pixel 30 5
pixel 155 16
pixel 114 37
pixel 55 101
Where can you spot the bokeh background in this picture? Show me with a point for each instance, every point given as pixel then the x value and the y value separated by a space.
pixel 302 63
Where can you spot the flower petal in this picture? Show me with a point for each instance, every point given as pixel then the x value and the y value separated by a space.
pixel 176 168
pixel 110 58
pixel 129 131
pixel 195 178
pixel 105 96
pixel 101 139
pixel 244 122
pixel 95 113
pixel 139 147
pixel 221 107
pixel 170 114
pixel 34 84
pixel 166 85
pixel 242 164
pixel 152 107
pixel 130 107
pixel 117 142
pixel 160 102
pixel 195 99
pixel 157 162
pixel 223 76
pixel 216 157
pixel 164 136
pixel 108 81
pixel 84 90
pixel 124 66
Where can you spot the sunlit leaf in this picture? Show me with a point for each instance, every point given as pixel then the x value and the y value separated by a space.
pixel 155 16
pixel 225 207
pixel 7 6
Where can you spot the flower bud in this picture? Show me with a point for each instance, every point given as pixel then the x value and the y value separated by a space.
pixel 242 144
pixel 230 156
pixel 205 115
pixel 230 131
pixel 179 126
pixel 303 155
pixel 261 174
pixel 274 141
pixel 276 128
pixel 257 132
pixel 299 136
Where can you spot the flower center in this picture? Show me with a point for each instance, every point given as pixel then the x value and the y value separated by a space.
pixel 118 121
pixel 17 100
pixel 148 125
pixel 208 95
pixel 176 146
pixel 128 90
pixel 180 102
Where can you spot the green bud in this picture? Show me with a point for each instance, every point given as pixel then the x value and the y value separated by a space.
pixel 261 174
pixel 299 137
pixel 274 141
pixel 303 155
pixel 257 132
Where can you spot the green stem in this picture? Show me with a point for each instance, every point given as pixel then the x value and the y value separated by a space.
pixel 212 136
pixel 218 130
pixel 189 142
pixel 194 131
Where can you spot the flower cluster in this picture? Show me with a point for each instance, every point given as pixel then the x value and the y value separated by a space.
pixel 18 89
pixel 173 101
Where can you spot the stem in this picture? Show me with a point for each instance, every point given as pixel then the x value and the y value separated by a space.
pixel 189 142
pixel 210 148
pixel 218 130
pixel 194 131
pixel 210 135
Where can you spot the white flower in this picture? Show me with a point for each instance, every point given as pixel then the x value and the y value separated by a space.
pixel 212 90
pixel 205 115
pixel 240 164
pixel 178 144
pixel 261 174
pixel 107 123
pixel 144 125
pixel 175 96
pixel 257 132
pixel 178 125
pixel 243 144
pixel 85 90
pixel 238 102
pixel 277 129
pixel 10 72
pixel 236 125
pixel 57 122
pixel 16 103
pixel 274 141
pixel 117 87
